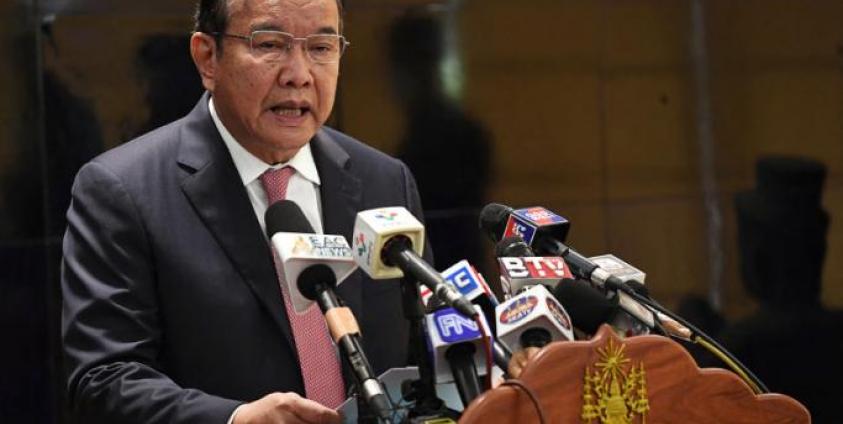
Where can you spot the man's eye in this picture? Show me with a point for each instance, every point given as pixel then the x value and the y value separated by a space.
pixel 321 48
pixel 271 45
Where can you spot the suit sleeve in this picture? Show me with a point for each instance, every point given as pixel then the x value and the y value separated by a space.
pixel 110 320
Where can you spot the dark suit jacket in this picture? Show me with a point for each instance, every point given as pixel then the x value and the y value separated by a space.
pixel 172 311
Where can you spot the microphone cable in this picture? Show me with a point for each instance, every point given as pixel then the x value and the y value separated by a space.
pixel 704 340
pixel 487 345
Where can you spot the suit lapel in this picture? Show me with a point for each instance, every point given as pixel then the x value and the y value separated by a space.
pixel 341 196
pixel 216 192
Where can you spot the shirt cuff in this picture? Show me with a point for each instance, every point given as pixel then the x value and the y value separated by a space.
pixel 233 414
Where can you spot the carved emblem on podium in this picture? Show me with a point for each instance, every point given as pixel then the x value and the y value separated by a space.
pixel 615 392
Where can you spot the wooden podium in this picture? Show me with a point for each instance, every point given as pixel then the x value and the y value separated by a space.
pixel 643 379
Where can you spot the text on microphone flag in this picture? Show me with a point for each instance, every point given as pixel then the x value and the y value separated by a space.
pixel 518 310
pixel 518 227
pixel 454 327
pixel 539 216
pixel 463 277
pixel 322 246
pixel 536 267
pixel 558 314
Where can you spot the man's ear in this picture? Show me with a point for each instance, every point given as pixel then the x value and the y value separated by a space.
pixel 203 49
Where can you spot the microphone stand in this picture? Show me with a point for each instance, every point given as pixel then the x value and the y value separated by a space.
pixel 423 391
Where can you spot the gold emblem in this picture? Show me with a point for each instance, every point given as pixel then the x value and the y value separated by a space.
pixel 614 393
pixel 301 246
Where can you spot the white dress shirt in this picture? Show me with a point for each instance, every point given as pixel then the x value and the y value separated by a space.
pixel 303 188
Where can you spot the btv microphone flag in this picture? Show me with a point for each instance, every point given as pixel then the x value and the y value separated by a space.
pixel 518 273
pixel 374 227
pixel 298 251
pixel 534 309
pixel 527 222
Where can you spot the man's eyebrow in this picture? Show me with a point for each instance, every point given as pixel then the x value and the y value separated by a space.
pixel 326 30
pixel 269 26
pixel 266 26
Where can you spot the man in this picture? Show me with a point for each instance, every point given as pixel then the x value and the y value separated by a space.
pixel 782 239
pixel 173 310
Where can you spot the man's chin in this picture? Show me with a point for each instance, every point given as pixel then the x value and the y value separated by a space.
pixel 283 149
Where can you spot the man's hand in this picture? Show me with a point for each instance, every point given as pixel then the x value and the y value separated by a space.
pixel 276 408
pixel 520 360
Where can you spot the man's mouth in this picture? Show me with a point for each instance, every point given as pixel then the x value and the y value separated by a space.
pixel 290 109
pixel 284 111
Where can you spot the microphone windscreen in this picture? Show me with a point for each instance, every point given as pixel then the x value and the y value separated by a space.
pixel 513 247
pixel 493 219
pixel 285 216
pixel 587 307
pixel 314 275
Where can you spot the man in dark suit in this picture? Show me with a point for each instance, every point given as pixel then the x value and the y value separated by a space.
pixel 173 311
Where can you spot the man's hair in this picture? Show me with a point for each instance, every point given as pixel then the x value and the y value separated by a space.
pixel 212 17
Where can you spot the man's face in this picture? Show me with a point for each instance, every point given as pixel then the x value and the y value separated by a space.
pixel 273 109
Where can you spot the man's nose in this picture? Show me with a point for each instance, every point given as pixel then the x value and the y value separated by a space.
pixel 295 68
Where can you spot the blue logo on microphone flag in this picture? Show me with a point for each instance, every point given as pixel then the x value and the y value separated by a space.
pixel 453 327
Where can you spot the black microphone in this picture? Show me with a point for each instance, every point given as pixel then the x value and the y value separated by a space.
pixel 545 236
pixel 457 345
pixel 587 307
pixel 501 355
pixel 512 247
pixel 317 282
pixel 285 216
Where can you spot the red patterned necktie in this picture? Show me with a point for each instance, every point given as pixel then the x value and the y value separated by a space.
pixel 320 367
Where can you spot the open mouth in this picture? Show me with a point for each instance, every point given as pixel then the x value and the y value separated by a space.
pixel 287 111
pixel 290 109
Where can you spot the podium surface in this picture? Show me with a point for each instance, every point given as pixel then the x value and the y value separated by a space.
pixel 642 379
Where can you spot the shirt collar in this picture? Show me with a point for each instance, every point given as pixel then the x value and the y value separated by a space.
pixel 250 167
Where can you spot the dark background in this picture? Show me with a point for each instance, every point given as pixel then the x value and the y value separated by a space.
pixel 637 119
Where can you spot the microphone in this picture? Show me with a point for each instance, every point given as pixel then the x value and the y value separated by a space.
pixel 634 278
pixel 617 267
pixel 313 262
pixel 513 246
pixel 587 307
pixel 545 234
pixel 317 283
pixel 470 283
pixel 639 319
pixel 387 244
pixel 500 221
pixel 297 247
pixel 534 318
pixel 457 345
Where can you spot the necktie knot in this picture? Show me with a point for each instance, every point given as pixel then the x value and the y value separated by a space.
pixel 275 182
